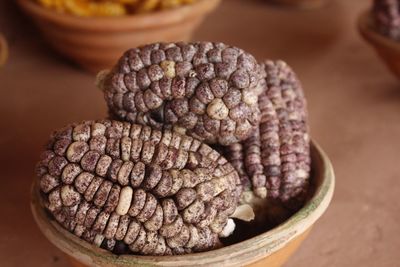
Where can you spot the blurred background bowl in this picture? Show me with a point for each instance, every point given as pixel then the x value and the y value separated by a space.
pixel 387 49
pixel 271 248
pixel 96 43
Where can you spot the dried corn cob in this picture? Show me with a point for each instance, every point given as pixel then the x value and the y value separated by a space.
pixel 276 157
pixel 235 155
pixel 386 14
pixel 127 187
pixel 290 105
pixel 208 90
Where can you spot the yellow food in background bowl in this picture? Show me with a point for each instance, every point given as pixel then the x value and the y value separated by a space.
pixel 96 41
pixel 3 50
pixel 102 8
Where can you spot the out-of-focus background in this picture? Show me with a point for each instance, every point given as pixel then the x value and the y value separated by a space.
pixel 354 106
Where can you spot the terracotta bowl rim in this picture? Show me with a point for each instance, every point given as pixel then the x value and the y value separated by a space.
pixel 368 31
pixel 121 23
pixel 285 232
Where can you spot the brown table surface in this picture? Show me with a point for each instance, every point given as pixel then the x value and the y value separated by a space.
pixel 354 105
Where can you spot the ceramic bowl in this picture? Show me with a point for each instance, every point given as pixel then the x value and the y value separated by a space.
pixel 271 248
pixel 302 4
pixel 96 43
pixel 387 49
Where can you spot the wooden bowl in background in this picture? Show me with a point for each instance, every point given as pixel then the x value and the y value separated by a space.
pixel 271 248
pixel 96 43
pixel 387 49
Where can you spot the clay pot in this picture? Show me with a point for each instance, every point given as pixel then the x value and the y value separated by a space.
pixel 386 48
pixel 96 43
pixel 302 4
pixel 271 248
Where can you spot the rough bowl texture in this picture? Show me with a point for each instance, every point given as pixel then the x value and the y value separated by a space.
pixel 271 248
pixel 387 49
pixel 96 43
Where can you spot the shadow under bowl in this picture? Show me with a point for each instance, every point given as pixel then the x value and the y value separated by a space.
pixel 387 49
pixel 271 248
pixel 96 43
